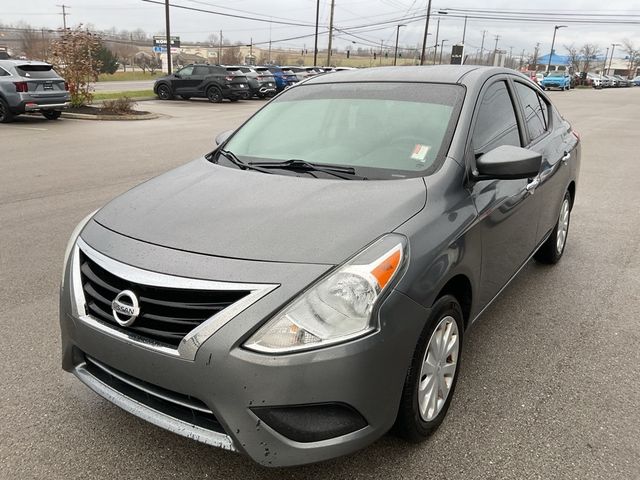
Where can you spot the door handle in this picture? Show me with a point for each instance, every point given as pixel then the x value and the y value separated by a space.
pixel 531 186
pixel 566 157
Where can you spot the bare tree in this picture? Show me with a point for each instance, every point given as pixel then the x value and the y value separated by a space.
pixel 588 54
pixel 574 56
pixel 634 55
pixel 281 58
pixel 232 55
pixel 212 39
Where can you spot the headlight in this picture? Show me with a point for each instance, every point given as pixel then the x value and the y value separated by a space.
pixel 339 306
pixel 72 240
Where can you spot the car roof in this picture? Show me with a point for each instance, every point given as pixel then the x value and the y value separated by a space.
pixel 463 74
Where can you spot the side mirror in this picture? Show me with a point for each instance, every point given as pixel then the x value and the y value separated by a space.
pixel 507 163
pixel 222 137
pixel 177 75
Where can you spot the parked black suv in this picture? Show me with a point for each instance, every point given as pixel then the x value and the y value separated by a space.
pixel 210 81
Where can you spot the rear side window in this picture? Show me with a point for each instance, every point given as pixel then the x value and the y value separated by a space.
pixel 36 71
pixel 496 124
pixel 3 72
pixel 201 71
pixel 535 110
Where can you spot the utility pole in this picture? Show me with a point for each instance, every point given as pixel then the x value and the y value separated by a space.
pixel 426 32
pixel 333 4
pixel 168 34
pixel 435 48
pixel 441 49
pixel 64 14
pixel 536 52
pixel 484 32
pixel 522 59
pixel 270 45
pixel 220 49
pixel 315 45
pixel 495 49
pixel 395 54
pixel 510 57
pixel 381 47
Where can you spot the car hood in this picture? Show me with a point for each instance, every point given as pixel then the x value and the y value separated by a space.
pixel 214 210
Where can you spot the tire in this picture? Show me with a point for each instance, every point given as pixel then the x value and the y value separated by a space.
pixel 411 423
pixel 214 94
pixel 185 97
pixel 6 115
pixel 51 114
pixel 164 92
pixel 550 252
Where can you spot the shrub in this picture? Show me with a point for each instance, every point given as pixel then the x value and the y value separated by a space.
pixel 120 105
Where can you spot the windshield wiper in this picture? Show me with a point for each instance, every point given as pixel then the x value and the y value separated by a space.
pixel 239 163
pixel 340 171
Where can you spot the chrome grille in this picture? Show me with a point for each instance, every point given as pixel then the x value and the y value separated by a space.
pixel 166 314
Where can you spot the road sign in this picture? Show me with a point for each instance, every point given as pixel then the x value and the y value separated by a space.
pixel 159 50
pixel 162 42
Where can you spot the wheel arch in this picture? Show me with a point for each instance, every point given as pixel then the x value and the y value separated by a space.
pixel 459 286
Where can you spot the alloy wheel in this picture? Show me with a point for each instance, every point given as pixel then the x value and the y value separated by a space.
pixel 438 368
pixel 563 226
pixel 164 93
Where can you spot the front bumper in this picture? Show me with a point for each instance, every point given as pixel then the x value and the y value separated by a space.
pixel 366 374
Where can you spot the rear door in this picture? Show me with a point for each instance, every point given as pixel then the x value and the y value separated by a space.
pixel 196 81
pixel 42 81
pixel 506 208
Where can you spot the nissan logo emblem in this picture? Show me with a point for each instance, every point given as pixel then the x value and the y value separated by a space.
pixel 125 308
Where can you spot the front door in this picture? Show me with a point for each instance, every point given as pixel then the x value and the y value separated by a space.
pixel 506 208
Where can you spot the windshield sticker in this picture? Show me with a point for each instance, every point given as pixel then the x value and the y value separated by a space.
pixel 420 153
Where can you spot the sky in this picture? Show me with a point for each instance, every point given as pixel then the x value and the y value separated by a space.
pixel 196 26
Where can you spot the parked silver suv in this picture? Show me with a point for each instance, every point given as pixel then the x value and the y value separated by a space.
pixel 29 86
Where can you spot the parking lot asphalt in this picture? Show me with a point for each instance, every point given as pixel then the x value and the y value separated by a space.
pixel 550 380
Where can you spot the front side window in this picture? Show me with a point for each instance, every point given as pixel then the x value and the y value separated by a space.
pixel 535 110
pixel 496 123
pixel 398 130
pixel 186 71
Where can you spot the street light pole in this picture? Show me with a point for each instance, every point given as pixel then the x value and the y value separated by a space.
pixel 435 48
pixel 464 30
pixel 395 55
pixel 553 42
pixel 613 48
pixel 441 49
pixel 426 32
pixel 604 65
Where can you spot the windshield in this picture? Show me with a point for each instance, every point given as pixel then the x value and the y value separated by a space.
pixel 556 74
pixel 383 130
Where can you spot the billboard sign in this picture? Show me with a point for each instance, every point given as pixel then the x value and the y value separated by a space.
pixel 162 42
pixel 457 54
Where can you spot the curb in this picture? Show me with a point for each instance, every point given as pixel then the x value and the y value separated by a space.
pixel 86 116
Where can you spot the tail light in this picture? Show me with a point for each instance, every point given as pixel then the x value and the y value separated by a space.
pixel 260 77
pixel 21 87
pixel 576 134
pixel 229 78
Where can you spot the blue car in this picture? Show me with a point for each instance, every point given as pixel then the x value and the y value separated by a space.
pixel 560 80
pixel 284 77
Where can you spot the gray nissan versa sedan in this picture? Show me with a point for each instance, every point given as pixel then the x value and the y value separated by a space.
pixel 306 286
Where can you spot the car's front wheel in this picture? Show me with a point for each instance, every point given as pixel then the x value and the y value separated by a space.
pixel 51 114
pixel 552 249
pixel 432 376
pixel 164 92
pixel 5 113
